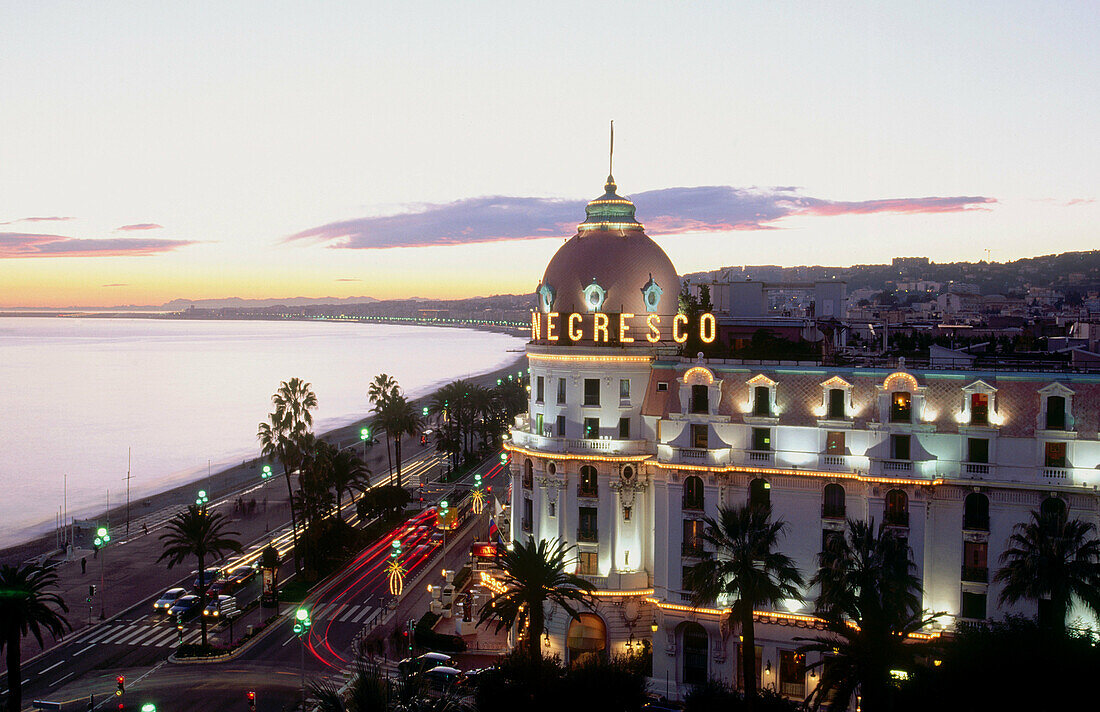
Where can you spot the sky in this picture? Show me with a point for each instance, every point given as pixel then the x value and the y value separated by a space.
pixel 153 151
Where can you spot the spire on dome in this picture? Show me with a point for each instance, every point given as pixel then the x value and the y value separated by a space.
pixel 610 211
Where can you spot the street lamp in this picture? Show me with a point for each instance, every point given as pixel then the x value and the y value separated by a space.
pixel 266 472
pixel 301 629
pixel 102 538
pixel 202 499
pixel 364 435
pixel 395 570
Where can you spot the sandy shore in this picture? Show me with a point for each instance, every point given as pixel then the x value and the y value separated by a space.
pixel 232 479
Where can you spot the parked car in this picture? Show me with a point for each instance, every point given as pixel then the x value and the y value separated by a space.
pixel 214 607
pixel 240 576
pixel 442 677
pixel 427 661
pixel 185 607
pixel 162 604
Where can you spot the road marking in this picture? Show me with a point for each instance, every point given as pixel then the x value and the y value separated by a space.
pixel 158 640
pixel 122 630
pixel 127 639
pixel 351 610
pixel 366 610
pixel 43 672
pixel 286 642
pixel 99 634
pixel 60 679
pixel 85 649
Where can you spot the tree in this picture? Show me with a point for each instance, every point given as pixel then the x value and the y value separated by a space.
pixel 196 532
pixel 381 389
pixel 398 418
pixel 386 500
pixel 347 474
pixel 871 601
pixel 747 570
pixel 27 606
pixel 1052 560
pixel 283 436
pixel 534 574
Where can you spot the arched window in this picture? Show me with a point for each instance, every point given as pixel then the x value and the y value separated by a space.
pixel 1053 507
pixel 695 654
pixel 901 407
pixel 976 512
pixel 589 484
pixel 528 474
pixel 760 493
pixel 693 493
pixel 897 508
pixel 587 635
pixel 832 505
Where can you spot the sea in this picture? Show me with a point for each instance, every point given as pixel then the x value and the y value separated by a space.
pixel 86 401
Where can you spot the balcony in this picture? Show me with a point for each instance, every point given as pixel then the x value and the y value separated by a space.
pixel 832 512
pixel 796 690
pixel 976 468
pixel 834 461
pixel 693 455
pixel 761 456
pixel 692 504
pixel 1057 474
pixel 975 574
pixel 546 443
pixel 691 549
pixel 590 492
pixel 976 524
pixel 587 534
pixel 903 466
pixel 896 519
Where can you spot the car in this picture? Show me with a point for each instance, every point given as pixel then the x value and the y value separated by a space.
pixel 214 607
pixel 210 575
pixel 240 576
pixel 437 538
pixel 442 677
pixel 471 678
pixel 427 661
pixel 185 607
pixel 162 604
pixel 216 587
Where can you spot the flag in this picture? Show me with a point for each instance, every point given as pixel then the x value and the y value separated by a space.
pixel 494 533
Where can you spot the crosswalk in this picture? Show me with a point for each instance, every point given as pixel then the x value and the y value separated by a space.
pixel 145 635
pixel 344 613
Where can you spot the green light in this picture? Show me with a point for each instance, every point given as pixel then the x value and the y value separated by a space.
pixel 98 541
pixel 202 494
pixel 266 472
pixel 298 629
pixel 302 614
pixel 101 532
pixel 364 434
pixel 477 478
pixel 106 538
pixel 444 505
pixel 499 381
pixel 148 707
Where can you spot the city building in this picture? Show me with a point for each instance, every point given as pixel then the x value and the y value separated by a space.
pixel 628 445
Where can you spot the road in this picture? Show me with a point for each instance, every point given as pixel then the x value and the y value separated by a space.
pixel 138 643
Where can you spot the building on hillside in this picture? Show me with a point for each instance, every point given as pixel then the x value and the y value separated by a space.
pixel 628 445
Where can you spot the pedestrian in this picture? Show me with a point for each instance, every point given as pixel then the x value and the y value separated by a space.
pixel 145 529
pixel 83 565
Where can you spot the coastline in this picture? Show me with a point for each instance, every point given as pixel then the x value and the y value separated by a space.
pixel 224 481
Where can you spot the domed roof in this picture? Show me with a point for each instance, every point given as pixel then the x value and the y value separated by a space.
pixel 610 265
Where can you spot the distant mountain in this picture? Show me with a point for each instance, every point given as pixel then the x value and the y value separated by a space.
pixel 238 302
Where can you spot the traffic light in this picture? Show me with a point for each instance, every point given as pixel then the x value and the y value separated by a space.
pixel 251 696
pixel 121 680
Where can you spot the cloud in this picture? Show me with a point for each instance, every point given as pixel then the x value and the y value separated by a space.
pixel 668 211
pixel 116 284
pixel 139 226
pixel 50 219
pixel 348 279
pixel 19 244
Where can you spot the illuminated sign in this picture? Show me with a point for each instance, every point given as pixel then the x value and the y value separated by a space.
pixel 626 329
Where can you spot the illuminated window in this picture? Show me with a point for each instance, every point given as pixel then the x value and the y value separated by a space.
pixel 693 493
pixel 539 389
pixel 979 409
pixel 901 407
pixel 591 428
pixel 761 439
pixel 760 493
pixel 591 391
pixel 837 410
pixel 832 505
pixel 561 391
pixel 762 401
pixel 897 508
pixel 588 563
pixel 975 562
pixel 589 484
pixel 586 531
pixel 538 423
pixel 700 400
pixel 1055 455
pixel 977 450
pixel 627 512
pixel 699 437
pixel 792 674
pixel 693 538
pixel 624 428
pixel 976 512
pixel 834 443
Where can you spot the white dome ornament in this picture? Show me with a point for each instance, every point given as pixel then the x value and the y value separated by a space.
pixel 546 297
pixel 651 294
pixel 594 296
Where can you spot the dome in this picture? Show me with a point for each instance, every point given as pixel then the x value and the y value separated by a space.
pixel 610 265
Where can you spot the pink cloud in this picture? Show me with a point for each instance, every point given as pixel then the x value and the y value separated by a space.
pixel 139 226
pixel 18 244
pixel 49 219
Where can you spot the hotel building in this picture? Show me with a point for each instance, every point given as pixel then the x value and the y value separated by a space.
pixel 628 445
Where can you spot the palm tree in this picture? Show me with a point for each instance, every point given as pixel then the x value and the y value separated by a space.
pixel 534 574
pixel 1052 560
pixel 27 606
pixel 283 436
pixel 870 599
pixel 196 532
pixel 347 473
pixel 380 391
pixel 747 570
pixel 398 418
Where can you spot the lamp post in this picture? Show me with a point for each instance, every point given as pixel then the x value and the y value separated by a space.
pixel 301 629
pixel 102 538
pixel 364 435
pixel 201 499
